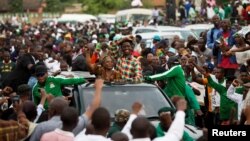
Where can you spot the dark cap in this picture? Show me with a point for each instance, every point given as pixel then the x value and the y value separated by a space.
pixel 166 109
pixel 41 69
pixel 173 60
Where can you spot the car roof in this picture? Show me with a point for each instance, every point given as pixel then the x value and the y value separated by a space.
pixel 150 35
pixel 77 17
pixel 244 30
pixel 199 26
pixel 84 74
pixel 91 85
pixel 142 11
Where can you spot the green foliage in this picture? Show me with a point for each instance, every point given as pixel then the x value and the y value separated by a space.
pixel 54 6
pixel 104 6
pixel 16 6
pixel 147 3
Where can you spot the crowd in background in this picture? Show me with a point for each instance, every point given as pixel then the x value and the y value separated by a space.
pixel 32 56
pixel 189 11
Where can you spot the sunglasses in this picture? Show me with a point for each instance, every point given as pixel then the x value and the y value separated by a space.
pixel 40 74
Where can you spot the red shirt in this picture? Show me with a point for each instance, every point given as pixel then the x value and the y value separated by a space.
pixel 225 60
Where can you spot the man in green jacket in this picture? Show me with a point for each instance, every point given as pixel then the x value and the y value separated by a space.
pixel 51 85
pixel 226 105
pixel 176 86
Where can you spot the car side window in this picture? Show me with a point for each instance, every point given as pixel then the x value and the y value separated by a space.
pixel 145 30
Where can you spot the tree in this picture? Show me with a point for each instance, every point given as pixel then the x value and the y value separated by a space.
pixel 104 6
pixel 54 6
pixel 16 6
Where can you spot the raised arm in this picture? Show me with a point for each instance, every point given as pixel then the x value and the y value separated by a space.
pixel 136 107
pixel 240 49
pixel 232 95
pixel 218 87
pixel 91 67
pixel 96 99
pixel 174 71
pixel 70 81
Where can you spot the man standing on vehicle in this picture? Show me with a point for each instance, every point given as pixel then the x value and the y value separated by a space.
pixel 51 85
pixel 176 86
pixel 128 66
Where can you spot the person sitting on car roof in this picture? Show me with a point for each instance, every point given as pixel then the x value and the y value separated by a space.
pixel 51 85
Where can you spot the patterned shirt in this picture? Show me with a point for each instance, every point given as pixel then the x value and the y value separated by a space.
pixel 129 68
pixel 8 130
pixel 113 51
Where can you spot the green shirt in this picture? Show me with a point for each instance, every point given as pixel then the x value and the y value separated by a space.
pixel 176 85
pixel 226 104
pixel 113 129
pixel 53 86
pixel 160 133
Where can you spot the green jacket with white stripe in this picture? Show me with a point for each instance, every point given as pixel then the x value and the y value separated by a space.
pixel 53 86
pixel 176 85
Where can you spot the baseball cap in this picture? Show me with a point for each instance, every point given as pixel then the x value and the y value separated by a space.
pixel 157 38
pixel 40 69
pixel 172 50
pixel 166 109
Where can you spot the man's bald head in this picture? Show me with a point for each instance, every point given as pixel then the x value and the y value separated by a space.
pixel 216 20
pixel 56 106
pixel 119 136
pixel 140 128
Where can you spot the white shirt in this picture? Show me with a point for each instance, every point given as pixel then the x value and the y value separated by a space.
pixel 82 137
pixel 176 129
pixel 136 3
pixel 174 133
pixel 210 12
pixel 52 66
pixel 155 13
pixel 215 94
pixel 237 98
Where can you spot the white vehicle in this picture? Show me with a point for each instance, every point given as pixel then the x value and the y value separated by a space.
pixel 198 28
pixel 244 30
pixel 107 18
pixel 165 29
pixel 76 18
pixel 148 37
pixel 134 14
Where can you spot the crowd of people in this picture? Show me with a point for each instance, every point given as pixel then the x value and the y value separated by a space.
pixel 34 108
pixel 191 11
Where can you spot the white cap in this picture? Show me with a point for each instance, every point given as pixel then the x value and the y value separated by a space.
pixel 94 41
pixel 36 32
pixel 94 36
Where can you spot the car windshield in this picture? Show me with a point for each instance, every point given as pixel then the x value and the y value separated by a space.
pixel 139 17
pixel 122 97
pixel 198 31
pixel 184 33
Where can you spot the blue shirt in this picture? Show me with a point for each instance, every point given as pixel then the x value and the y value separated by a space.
pixel 212 38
